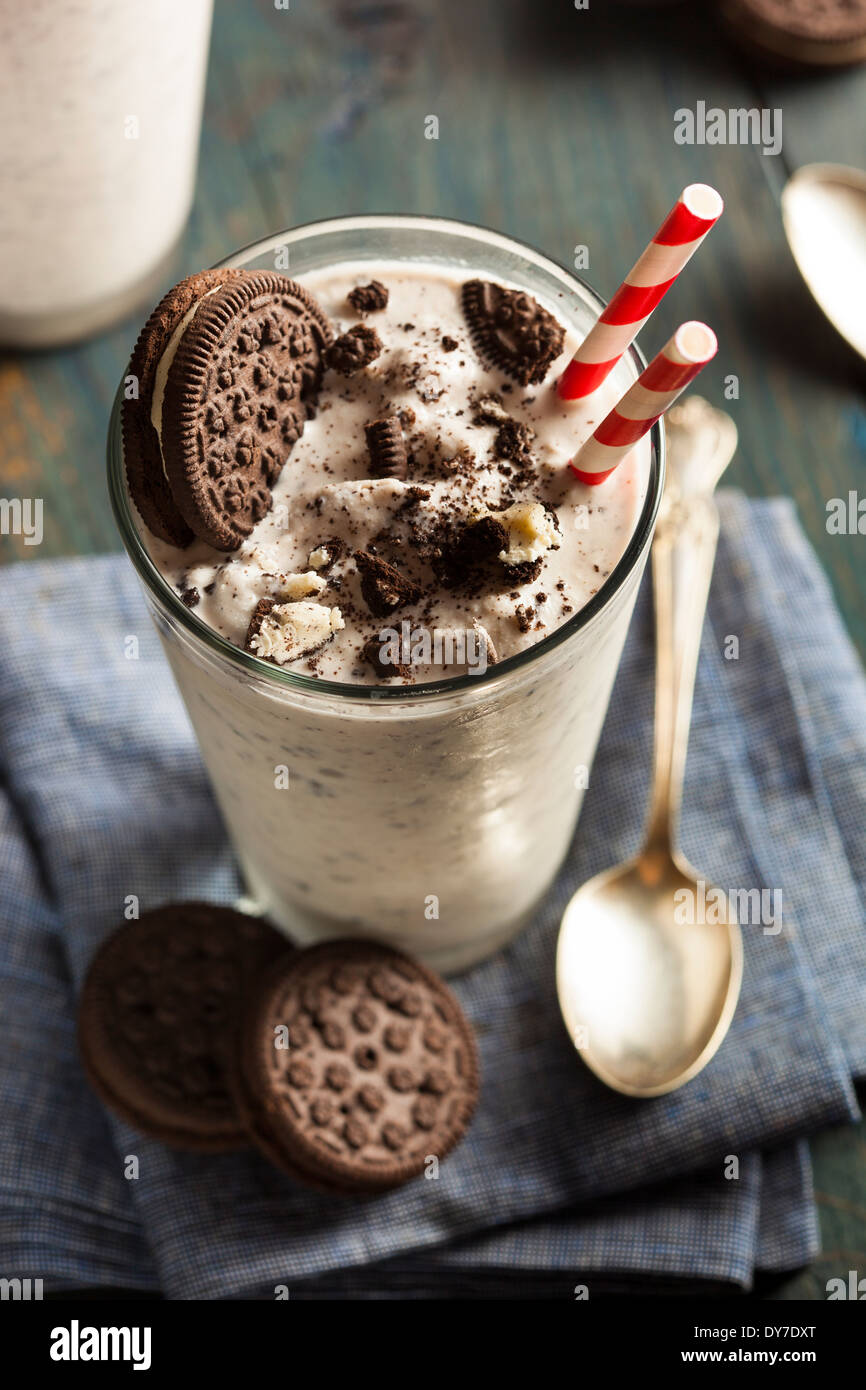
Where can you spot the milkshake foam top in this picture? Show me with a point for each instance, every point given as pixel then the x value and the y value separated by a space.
pixel 425 524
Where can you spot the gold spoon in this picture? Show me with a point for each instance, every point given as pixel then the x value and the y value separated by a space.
pixel 646 996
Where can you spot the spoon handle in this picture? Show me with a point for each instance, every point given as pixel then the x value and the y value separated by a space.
pixel 683 554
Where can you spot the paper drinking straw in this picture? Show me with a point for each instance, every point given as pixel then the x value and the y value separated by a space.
pixel 658 386
pixel 695 212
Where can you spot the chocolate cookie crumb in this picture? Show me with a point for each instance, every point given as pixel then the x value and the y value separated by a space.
pixel 513 440
pixel 467 556
pixel 366 299
pixel 413 496
pixel 190 596
pixel 383 586
pixel 480 540
pixel 524 617
pixel 449 344
pixel 463 461
pixel 357 348
pixel 386 447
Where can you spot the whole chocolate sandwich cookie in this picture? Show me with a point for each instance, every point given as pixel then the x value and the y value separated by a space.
pixel 819 33
pixel 158 1016
pixel 356 1067
pixel 227 371
pixel 145 474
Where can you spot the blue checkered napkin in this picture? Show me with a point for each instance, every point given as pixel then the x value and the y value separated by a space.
pixel 788 1231
pixel 692 1228
pixel 65 1214
pixel 800 773
pixel 67 1217
pixel 100 760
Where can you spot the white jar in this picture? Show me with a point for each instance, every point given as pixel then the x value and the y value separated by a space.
pixel 100 113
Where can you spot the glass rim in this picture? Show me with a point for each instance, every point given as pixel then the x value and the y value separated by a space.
pixel 295 681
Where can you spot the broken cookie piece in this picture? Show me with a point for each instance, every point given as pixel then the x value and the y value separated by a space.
pixel 513 441
pixel 325 555
pixel 366 299
pixel 283 632
pixel 489 410
pixel 511 330
pixel 357 348
pixel 470 555
pixel 386 447
pixel 383 586
pixel 482 538
pixel 377 651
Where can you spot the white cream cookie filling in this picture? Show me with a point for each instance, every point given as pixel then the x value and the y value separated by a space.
pixel 292 630
pixel 163 368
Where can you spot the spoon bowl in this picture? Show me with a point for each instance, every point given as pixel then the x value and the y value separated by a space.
pixel 824 215
pixel 646 985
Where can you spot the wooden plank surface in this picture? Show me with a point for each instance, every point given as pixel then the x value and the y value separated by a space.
pixel 555 125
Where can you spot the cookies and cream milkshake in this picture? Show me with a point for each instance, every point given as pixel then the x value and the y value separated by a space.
pixel 354 486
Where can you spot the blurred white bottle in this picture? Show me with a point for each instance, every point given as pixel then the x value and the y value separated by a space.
pixel 100 114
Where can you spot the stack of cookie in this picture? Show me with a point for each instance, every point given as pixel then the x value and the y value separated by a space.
pixel 348 1065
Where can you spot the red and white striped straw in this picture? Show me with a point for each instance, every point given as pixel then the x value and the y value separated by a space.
pixel 658 386
pixel 695 212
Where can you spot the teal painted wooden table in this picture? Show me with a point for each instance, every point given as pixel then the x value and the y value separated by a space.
pixel 555 125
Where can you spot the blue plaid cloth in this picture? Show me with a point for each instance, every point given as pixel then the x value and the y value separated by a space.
pixel 559 1181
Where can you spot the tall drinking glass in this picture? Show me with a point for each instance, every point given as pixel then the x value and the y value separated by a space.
pixel 433 817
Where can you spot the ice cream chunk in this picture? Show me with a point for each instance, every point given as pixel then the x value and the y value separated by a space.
pixel 531 531
pixel 297 586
